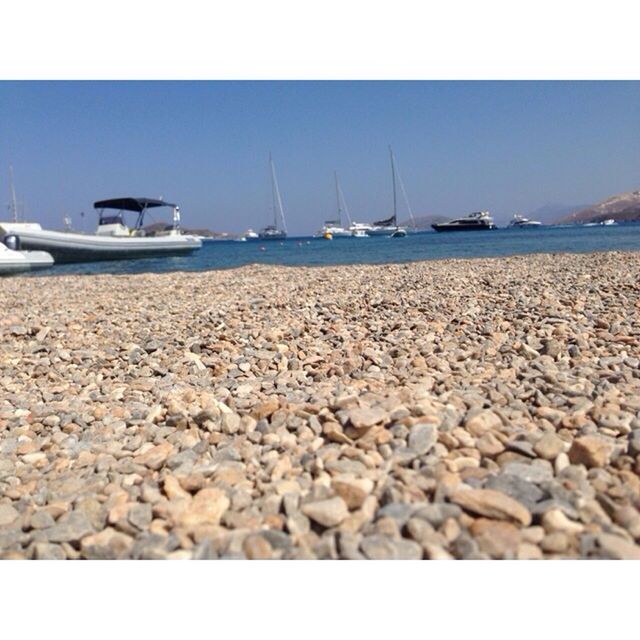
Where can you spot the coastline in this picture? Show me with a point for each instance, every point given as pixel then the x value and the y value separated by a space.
pixel 452 408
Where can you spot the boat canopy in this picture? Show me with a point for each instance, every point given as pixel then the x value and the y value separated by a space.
pixel 139 205
pixel 131 204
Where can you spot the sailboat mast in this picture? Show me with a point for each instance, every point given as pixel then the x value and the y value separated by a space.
pixel 277 200
pixel 335 174
pixel 393 178
pixel 273 191
pixel 14 203
pixel 344 203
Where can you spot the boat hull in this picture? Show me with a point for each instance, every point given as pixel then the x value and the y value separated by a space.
pixel 19 261
pixel 77 247
pixel 460 227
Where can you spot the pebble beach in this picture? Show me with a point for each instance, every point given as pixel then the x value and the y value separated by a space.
pixel 450 409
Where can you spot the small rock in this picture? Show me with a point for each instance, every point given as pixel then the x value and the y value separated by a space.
pixel 155 457
pixel 7 514
pixel 493 504
pixel 328 513
pixel 549 446
pixel 255 547
pixel 109 544
pixel 591 451
pixel 422 437
pixel 618 548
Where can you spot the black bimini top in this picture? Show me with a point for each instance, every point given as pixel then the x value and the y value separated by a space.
pixel 131 204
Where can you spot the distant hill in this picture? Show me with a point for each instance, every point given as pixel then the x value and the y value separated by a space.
pixel 621 207
pixel 550 213
pixel 157 227
pixel 423 222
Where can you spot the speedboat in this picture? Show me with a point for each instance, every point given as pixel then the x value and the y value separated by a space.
pixel 520 221
pixel 477 221
pixel 250 234
pixel 13 260
pixel 113 239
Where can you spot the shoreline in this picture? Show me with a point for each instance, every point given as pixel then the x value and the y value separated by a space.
pixel 36 274
pixel 440 408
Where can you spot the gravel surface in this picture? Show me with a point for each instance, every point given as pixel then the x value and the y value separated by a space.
pixel 484 408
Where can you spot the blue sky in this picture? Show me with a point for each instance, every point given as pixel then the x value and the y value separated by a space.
pixel 460 146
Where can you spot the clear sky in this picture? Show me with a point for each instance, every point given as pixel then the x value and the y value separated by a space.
pixel 460 146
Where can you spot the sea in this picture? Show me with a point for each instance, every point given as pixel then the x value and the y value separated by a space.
pixel 426 245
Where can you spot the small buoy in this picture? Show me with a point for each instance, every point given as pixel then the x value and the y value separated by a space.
pixel 299 243
pixel 308 241
pixel 327 235
pixel 263 248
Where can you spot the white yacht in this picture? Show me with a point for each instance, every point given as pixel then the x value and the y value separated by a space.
pixel 113 239
pixel 12 260
pixel 608 222
pixel 250 234
pixel 478 221
pixel 520 221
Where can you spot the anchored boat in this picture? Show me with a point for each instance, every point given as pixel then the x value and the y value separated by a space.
pixel 272 231
pixel 389 226
pixel 520 222
pixel 478 221
pixel 113 239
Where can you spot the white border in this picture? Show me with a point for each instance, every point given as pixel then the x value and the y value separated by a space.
pixel 328 39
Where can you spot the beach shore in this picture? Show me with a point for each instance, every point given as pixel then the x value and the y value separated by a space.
pixel 485 408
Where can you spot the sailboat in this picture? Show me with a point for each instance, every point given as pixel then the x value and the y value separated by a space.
pixel 334 228
pixel 272 232
pixel 389 226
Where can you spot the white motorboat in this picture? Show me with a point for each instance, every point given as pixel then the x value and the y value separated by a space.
pixel 520 222
pixel 608 222
pixel 272 231
pixel 113 240
pixel 250 234
pixel 13 260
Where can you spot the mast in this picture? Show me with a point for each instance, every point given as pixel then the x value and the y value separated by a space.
pixel 335 174
pixel 14 203
pixel 393 178
pixel 406 200
pixel 344 202
pixel 277 200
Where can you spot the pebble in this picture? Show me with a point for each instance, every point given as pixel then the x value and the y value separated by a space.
pixel 492 504
pixel 592 451
pixel 328 513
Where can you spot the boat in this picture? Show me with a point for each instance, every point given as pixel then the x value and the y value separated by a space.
pixel 250 234
pixel 608 222
pixel 334 228
pixel 477 221
pixel 359 230
pixel 113 239
pixel 272 231
pixel 389 226
pixel 520 222
pixel 13 260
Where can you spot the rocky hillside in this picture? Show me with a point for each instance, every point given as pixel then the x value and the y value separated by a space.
pixel 621 207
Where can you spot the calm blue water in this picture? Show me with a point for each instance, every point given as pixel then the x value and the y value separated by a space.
pixel 422 246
